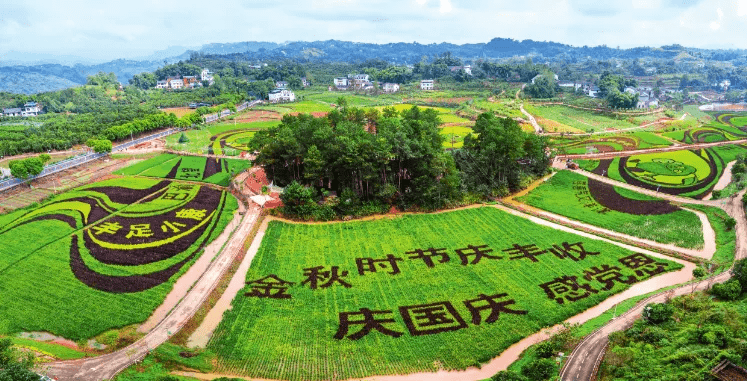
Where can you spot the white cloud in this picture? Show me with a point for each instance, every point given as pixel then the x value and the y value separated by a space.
pixel 646 4
pixel 123 29
pixel 741 8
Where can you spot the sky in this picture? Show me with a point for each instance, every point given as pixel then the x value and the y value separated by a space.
pixel 100 30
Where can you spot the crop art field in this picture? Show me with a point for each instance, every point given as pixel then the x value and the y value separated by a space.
pixel 687 173
pixel 104 255
pixel 413 293
pixel 594 202
pixel 231 142
pixel 211 139
pixel 191 168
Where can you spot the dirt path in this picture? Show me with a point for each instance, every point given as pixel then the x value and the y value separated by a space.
pixel 724 181
pixel 709 236
pixel 204 332
pixel 105 367
pixel 186 281
pixel 665 196
pixel 537 128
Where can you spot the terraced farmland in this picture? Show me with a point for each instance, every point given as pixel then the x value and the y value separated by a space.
pixel 412 293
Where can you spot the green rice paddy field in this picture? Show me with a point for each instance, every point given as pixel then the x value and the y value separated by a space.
pixel 420 282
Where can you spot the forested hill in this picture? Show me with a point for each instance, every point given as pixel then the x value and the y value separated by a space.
pixel 50 77
pixel 497 48
pixel 37 78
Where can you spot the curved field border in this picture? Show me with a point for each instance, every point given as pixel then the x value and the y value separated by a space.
pixel 107 366
pixel 712 176
pixel 706 252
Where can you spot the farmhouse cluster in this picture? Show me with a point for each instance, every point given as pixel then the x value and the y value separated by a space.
pixel 28 109
pixel 187 81
pixel 362 82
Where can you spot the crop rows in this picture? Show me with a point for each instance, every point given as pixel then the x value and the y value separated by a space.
pixel 289 324
pixel 191 168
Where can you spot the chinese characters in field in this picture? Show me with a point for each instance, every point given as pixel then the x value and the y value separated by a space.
pixel 425 319
pixel 444 316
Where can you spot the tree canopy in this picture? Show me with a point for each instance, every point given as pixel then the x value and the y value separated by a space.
pixel 495 159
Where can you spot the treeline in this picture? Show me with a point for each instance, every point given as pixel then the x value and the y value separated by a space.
pixel 61 132
pixel 372 161
pixel 149 123
pixel 100 110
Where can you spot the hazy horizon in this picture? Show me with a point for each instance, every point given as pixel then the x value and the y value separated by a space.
pixel 100 32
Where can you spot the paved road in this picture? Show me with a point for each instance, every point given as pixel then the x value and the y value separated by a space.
pixel 106 366
pixel 67 164
pixel 583 362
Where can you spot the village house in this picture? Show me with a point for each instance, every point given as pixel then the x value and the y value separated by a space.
pixel 390 87
pixel 281 84
pixel 426 84
pixel 31 109
pixel 591 89
pixel 359 81
pixel 341 83
pixel 13 111
pixel 542 75
pixel 162 84
pixel 467 69
pixel 574 85
pixel 305 82
pixel 281 95
pixel 207 75
pixel 175 83
pixel 190 81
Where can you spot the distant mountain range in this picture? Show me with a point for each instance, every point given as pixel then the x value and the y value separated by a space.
pixel 31 73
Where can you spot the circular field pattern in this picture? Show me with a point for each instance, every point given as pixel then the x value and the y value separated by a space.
pixel 674 172
pixel 238 140
pixel 235 139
